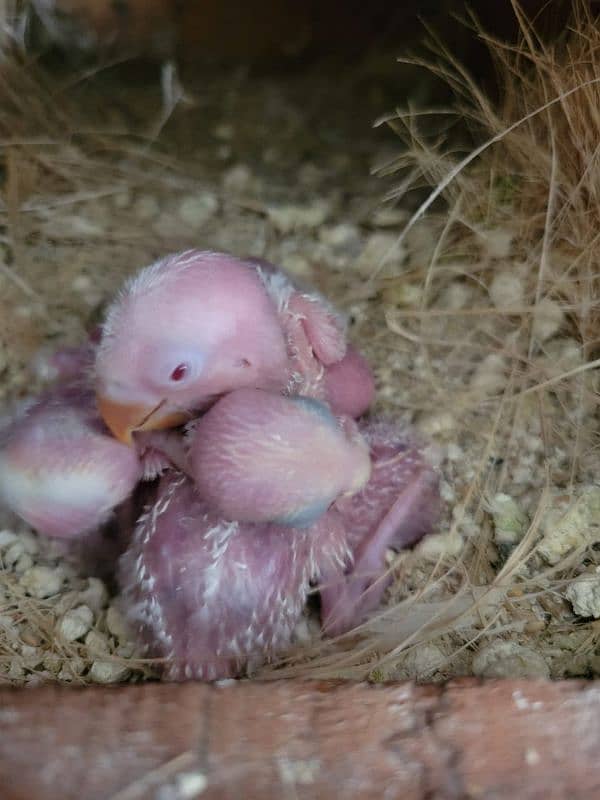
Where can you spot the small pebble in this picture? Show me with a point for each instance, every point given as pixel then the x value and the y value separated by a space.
pixel 7 538
pixel 584 595
pixel 224 131
pixel 489 376
pixel 116 624
pixel 340 237
pixel 13 553
pixel 196 209
pixel 41 582
pixel 239 180
pixel 570 523
pixel 381 255
pixel 107 672
pixel 440 545
pixel 510 522
pixel 421 662
pixel 507 291
pixel 289 218
pixel 72 668
pixel 122 200
pixel 24 563
pixel 297 265
pixel 146 207
pixel 497 242
pixel 53 663
pixel 75 623
pixel 455 296
pixel 437 422
pixel 548 319
pixel 388 217
pixel 505 659
pixel 95 596
pixel 32 656
pixel 97 643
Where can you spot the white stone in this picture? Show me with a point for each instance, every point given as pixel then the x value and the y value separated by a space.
pixel 7 538
pixel 434 423
pixel 23 564
pixel 239 179
pixel 97 643
pixel 507 291
pixel 196 209
pixel 570 523
pixel 296 264
pixel 340 236
pixel 32 656
pixel 30 542
pixel 510 522
pixel 288 218
pixel 497 242
pixel 75 225
pixel 440 545
pixel 13 553
pixel 146 207
pixel 75 623
pixel 388 217
pixel 72 668
pixel 584 595
pixel 53 663
pixel 122 200
pixel 455 296
pixel 422 661
pixel 381 255
pixel 95 596
pixel 489 375
pixel 506 659
pixel 115 623
pixel 108 672
pixel 41 581
pixel 548 318
pixel 191 785
pixel 224 131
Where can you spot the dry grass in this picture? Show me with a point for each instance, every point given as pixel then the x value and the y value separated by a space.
pixel 485 333
pixel 515 222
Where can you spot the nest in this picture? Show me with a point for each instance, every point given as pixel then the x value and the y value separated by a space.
pixel 479 313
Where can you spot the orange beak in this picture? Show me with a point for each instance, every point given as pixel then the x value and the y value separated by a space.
pixel 123 420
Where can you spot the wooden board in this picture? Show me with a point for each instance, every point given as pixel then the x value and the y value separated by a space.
pixel 512 739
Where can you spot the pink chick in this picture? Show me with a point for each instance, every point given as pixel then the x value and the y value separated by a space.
pixel 397 507
pixel 211 597
pixel 60 469
pixel 259 457
pixel 197 325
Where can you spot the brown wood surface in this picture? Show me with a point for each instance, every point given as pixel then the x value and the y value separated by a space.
pixel 497 740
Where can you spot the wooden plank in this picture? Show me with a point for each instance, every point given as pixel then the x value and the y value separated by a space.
pixel 296 740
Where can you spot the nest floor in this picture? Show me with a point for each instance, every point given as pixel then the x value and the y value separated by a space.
pixel 102 176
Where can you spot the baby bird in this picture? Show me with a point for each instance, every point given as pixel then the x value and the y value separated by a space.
pixel 256 456
pixel 60 469
pixel 197 325
pixel 211 597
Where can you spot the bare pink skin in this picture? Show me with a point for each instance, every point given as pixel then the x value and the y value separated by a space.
pixel 211 596
pixel 206 311
pixel 399 505
pixel 60 469
pixel 259 457
pixel 231 323
pixel 349 385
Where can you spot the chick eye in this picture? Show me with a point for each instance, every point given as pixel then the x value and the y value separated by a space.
pixel 179 373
